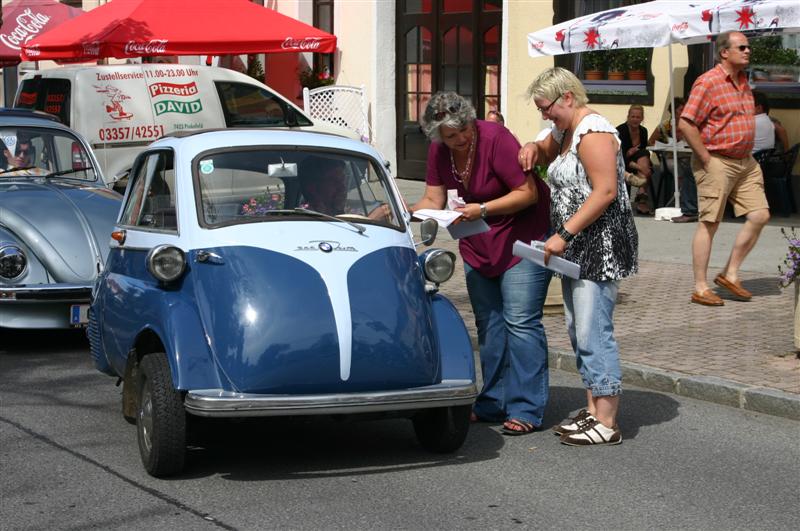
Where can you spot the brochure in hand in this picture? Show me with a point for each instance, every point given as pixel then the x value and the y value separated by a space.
pixel 535 253
pixel 445 218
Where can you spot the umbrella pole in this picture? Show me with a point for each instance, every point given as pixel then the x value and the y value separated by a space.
pixel 674 128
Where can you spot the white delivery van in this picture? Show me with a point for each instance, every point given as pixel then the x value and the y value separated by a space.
pixel 121 109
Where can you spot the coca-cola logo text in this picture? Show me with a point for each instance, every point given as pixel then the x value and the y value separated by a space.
pixel 538 45
pixel 89 48
pixel 147 48
pixel 680 28
pixel 307 43
pixel 173 89
pixel 28 25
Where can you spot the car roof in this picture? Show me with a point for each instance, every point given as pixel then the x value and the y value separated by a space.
pixel 203 140
pixel 17 117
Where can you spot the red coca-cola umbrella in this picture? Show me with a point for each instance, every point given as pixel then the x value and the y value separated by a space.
pixel 135 28
pixel 24 20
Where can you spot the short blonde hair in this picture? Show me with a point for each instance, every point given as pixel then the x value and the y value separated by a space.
pixel 635 107
pixel 554 82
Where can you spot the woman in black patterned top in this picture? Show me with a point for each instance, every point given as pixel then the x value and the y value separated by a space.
pixel 591 209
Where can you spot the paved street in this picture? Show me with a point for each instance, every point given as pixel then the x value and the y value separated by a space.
pixel 70 461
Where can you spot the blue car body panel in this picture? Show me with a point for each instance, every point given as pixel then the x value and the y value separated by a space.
pixel 262 323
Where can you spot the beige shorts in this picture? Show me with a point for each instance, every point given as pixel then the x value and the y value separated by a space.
pixel 736 180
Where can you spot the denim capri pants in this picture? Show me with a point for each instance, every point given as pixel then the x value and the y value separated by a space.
pixel 589 312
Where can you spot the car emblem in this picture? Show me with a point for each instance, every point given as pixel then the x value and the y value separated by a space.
pixel 325 247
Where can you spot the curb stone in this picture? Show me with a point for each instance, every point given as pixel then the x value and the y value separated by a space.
pixel 708 388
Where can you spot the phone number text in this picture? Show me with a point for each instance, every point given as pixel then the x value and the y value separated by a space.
pixel 130 133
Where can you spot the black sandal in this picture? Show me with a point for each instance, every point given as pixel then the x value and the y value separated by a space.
pixel 517 427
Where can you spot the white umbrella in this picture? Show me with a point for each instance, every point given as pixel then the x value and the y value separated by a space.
pixel 661 23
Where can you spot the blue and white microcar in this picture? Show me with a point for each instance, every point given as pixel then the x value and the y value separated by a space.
pixel 275 273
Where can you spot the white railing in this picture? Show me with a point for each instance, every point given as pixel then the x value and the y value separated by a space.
pixel 340 105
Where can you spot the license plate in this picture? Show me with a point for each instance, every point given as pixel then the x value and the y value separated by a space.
pixel 78 314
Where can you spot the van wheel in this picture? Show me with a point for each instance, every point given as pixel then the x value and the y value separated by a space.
pixel 442 430
pixel 160 418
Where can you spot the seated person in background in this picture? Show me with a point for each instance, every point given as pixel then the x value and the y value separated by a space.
pixel 688 187
pixel 495 116
pixel 323 183
pixel 770 133
pixel 633 143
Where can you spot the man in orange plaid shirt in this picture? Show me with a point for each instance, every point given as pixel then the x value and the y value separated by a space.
pixel 718 123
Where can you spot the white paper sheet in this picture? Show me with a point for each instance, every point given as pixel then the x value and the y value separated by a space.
pixel 442 217
pixel 467 228
pixel 535 253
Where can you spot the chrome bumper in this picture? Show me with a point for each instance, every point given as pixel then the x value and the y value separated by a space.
pixel 75 293
pixel 219 403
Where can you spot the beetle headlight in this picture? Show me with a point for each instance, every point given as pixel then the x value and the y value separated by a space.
pixel 438 265
pixel 166 262
pixel 13 261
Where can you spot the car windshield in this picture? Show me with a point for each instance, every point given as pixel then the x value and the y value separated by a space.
pixel 256 184
pixel 43 152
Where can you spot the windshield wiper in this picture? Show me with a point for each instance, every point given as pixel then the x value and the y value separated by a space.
pixel 22 168
pixel 359 228
pixel 65 172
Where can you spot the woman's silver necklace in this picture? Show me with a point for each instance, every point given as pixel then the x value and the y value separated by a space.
pixel 462 176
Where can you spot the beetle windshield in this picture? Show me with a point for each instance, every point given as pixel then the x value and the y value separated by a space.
pixel 256 184
pixel 39 151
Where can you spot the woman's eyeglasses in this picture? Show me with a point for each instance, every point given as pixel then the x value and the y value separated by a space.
pixel 547 109
pixel 450 110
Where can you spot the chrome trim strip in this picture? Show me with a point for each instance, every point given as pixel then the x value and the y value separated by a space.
pixel 47 293
pixel 221 403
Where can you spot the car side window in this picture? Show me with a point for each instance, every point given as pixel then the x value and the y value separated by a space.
pixel 247 105
pixel 151 201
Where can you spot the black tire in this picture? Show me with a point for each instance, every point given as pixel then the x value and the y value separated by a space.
pixel 160 418
pixel 442 430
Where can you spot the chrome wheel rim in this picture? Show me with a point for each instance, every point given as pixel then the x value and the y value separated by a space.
pixel 146 417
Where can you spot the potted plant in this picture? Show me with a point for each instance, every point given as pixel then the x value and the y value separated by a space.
pixel 617 64
pixel 594 65
pixel 789 273
pixel 313 78
pixel 637 63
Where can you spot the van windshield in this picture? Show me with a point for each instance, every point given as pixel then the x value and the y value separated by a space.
pixel 247 105
pixel 256 184
pixel 50 95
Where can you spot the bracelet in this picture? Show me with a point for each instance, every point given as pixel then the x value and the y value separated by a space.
pixel 565 235
pixel 483 210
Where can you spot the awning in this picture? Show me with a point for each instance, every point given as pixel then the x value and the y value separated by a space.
pixel 25 19
pixel 136 28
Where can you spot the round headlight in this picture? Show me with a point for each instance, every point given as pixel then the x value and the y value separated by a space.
pixel 166 262
pixel 439 265
pixel 13 261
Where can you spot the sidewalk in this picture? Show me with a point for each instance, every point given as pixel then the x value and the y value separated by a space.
pixel 740 354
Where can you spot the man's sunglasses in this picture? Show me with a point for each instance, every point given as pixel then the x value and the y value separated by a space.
pixel 23 151
pixel 450 110
pixel 547 109
pixel 742 47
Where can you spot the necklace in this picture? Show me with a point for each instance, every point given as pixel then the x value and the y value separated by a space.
pixel 462 176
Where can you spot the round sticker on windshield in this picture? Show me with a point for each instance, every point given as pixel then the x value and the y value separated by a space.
pixel 206 166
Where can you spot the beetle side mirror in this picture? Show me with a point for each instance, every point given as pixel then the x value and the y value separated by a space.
pixel 428 230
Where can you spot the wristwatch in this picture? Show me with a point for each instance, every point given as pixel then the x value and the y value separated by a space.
pixel 565 234
pixel 483 210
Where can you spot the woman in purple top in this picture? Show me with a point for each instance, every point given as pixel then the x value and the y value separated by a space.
pixel 478 160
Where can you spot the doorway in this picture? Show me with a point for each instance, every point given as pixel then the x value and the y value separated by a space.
pixel 443 45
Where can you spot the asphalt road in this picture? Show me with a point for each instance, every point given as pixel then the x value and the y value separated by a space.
pixel 69 461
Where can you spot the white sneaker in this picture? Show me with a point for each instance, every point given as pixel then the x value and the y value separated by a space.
pixel 573 424
pixel 592 432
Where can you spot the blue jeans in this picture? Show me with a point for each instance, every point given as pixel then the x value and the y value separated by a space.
pixel 589 313
pixel 513 346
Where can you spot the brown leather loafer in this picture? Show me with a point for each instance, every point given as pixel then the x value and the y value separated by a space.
pixel 736 289
pixel 707 298
pixel 684 219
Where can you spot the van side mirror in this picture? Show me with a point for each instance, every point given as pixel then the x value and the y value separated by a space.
pixel 291 117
